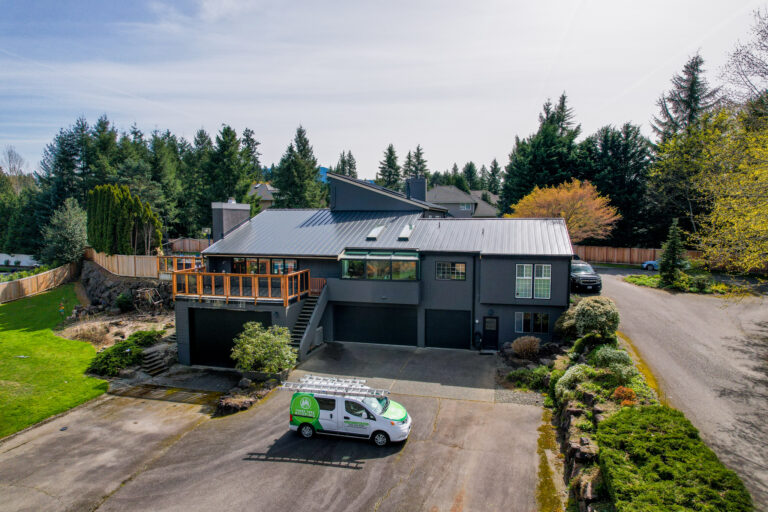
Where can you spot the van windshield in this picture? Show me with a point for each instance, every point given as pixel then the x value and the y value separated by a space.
pixel 377 405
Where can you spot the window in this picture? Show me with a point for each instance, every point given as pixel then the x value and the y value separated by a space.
pixel 404 270
pixel 326 404
pixel 523 281
pixel 278 266
pixel 353 269
pixel 355 409
pixel 465 206
pixel 450 271
pixel 542 282
pixel 378 269
pixel 291 266
pixel 238 266
pixel 532 322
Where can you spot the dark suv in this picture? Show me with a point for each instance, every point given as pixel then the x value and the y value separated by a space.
pixel 583 277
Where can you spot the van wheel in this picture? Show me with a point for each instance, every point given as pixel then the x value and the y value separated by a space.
pixel 306 431
pixel 380 438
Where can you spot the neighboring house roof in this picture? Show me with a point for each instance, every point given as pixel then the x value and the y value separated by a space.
pixel 448 194
pixel 478 194
pixel 483 209
pixel 388 192
pixel 264 190
pixel 325 233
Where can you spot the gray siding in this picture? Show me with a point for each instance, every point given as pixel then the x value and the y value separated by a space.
pixel 497 280
pixel 345 196
pixel 454 210
pixel 373 292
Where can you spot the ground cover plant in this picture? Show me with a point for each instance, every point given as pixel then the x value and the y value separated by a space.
pixel 146 338
pixel 111 360
pixel 684 282
pixel 652 458
pixel 24 273
pixel 42 374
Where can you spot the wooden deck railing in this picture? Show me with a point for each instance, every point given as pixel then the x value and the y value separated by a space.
pixel 194 283
pixel 316 285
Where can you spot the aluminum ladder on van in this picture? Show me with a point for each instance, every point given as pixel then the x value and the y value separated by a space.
pixel 334 386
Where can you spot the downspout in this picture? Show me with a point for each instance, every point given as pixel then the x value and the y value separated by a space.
pixel 474 297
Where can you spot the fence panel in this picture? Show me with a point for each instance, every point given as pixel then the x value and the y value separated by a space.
pixel 625 255
pixel 189 244
pixel 125 265
pixel 32 285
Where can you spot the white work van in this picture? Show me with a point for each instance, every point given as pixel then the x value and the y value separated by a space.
pixel 346 407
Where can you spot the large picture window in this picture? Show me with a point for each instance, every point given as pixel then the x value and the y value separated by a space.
pixel 353 269
pixel 532 322
pixel 404 270
pixel 450 271
pixel 378 269
pixel 273 266
pixel 523 274
pixel 379 265
pixel 542 282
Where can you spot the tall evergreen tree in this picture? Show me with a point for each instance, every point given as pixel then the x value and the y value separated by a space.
pixel 249 152
pixel 672 255
pixel 545 158
pixel 494 178
pixel 297 175
pixel 419 163
pixel 470 175
pixel 389 169
pixel 483 180
pixel 229 171
pixel 351 165
pixel 409 166
pixel 347 165
pixel 684 104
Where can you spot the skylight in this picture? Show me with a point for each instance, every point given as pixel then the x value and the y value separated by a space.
pixel 405 234
pixel 374 233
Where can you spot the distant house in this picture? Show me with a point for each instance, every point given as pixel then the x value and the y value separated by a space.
pixel 459 203
pixel 265 192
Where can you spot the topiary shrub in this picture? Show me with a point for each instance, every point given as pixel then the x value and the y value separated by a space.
pixel 110 361
pixel 146 338
pixel 606 355
pixel 570 379
pixel 526 347
pixel 590 341
pixel 652 458
pixel 124 301
pixel 565 326
pixel 264 350
pixel 596 315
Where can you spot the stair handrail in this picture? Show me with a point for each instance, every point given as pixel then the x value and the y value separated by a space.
pixel 314 321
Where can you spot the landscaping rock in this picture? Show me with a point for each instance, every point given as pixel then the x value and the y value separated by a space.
pixel 127 373
pixel 546 362
pixel 245 383
pixel 103 288
pixel 513 361
pixel 230 404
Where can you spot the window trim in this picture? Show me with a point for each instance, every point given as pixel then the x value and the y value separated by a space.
pixel 366 257
pixel 548 279
pixel 451 271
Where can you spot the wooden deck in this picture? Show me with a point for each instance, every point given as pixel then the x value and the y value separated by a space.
pixel 194 283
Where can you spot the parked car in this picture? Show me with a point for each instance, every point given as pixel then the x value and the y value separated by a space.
pixel 348 408
pixel 584 277
pixel 654 265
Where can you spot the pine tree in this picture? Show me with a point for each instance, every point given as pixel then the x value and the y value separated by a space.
pixel 409 166
pixel 389 170
pixel 483 181
pixel 230 173
pixel 470 175
pixel 672 255
pixel 351 165
pixel 65 237
pixel 297 175
pixel 420 168
pixel 249 152
pixel 454 170
pixel 690 98
pixel 341 165
pixel 494 178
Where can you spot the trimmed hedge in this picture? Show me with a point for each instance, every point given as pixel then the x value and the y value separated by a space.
pixel 652 459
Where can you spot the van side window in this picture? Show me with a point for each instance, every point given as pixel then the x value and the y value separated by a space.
pixel 354 408
pixel 326 404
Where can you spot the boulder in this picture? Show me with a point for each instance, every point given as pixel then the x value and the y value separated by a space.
pixel 245 383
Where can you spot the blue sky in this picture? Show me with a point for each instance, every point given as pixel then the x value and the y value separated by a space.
pixel 460 78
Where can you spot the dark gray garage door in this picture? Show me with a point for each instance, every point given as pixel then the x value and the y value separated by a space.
pixel 373 324
pixel 213 331
pixel 448 329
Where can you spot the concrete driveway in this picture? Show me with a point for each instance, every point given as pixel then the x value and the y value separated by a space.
pixel 710 356
pixel 466 452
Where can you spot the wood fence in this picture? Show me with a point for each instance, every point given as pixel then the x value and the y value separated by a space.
pixel 189 244
pixel 125 265
pixel 12 290
pixel 626 255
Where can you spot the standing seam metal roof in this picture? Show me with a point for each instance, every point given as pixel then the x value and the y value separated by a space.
pixel 325 233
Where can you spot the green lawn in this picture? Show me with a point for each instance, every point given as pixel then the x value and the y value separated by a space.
pixel 51 379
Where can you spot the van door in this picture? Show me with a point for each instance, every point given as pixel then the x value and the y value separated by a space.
pixel 357 420
pixel 328 417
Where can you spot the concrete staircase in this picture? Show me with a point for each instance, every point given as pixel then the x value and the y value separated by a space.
pixel 301 323
pixel 152 361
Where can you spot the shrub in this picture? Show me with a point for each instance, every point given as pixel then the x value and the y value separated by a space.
pixel 570 379
pixel 120 355
pixel 526 347
pixel 7 263
pixel 124 301
pixel 681 281
pixel 671 256
pixel 146 338
pixel 700 283
pixel 92 333
pixel 590 341
pixel 530 379
pixel 652 458
pixel 554 377
pixel 598 315
pixel 17 263
pixel 606 355
pixel 623 373
pixel 621 394
pixel 565 326
pixel 266 350
pixel 628 403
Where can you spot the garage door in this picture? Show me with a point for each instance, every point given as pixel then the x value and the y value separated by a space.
pixel 372 324
pixel 213 331
pixel 448 329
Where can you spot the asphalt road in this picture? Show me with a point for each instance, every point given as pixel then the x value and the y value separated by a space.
pixel 710 356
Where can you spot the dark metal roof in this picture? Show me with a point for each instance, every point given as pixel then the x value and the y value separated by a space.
pixel 324 233
pixel 448 194
pixel 392 193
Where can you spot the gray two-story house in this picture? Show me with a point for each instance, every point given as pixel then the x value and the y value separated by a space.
pixel 377 266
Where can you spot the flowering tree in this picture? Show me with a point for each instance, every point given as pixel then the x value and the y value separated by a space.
pixel 587 214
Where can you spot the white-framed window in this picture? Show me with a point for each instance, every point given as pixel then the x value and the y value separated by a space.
pixel 465 206
pixel 523 275
pixel 531 322
pixel 450 271
pixel 542 282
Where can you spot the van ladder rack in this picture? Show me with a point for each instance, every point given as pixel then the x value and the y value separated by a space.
pixel 333 386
